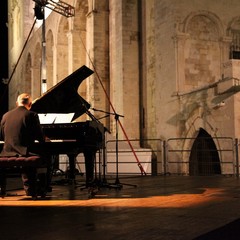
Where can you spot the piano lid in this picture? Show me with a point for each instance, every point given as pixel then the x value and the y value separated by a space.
pixel 64 97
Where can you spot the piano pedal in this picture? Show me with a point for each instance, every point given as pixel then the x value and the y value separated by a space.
pixel 58 172
pixel 76 172
pixel 92 191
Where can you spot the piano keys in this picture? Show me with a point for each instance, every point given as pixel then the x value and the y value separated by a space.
pixel 72 139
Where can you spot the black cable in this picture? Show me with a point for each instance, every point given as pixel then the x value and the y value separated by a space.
pixel 14 69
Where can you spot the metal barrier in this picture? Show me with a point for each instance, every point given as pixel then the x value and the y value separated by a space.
pixel 149 156
pixel 179 157
pixel 237 156
pixel 166 157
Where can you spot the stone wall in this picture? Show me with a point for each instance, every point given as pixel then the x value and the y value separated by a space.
pixel 159 63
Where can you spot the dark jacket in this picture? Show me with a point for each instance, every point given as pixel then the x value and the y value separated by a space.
pixel 19 129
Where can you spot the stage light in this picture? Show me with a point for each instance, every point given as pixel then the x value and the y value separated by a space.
pixel 39 13
pixel 57 6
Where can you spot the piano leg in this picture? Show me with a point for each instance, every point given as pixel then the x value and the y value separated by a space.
pixel 72 165
pixel 89 166
pixel 89 156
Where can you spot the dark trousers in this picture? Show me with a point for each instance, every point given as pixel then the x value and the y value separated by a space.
pixel 33 183
pixel 3 181
pixel 29 178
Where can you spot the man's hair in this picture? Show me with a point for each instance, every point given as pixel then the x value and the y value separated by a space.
pixel 24 99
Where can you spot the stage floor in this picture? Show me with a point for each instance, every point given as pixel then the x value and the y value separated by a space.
pixel 145 207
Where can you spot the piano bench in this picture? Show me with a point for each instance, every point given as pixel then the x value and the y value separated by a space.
pixel 21 161
pixel 11 163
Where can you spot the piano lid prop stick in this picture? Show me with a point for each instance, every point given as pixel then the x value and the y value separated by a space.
pixel 110 103
pixel 139 164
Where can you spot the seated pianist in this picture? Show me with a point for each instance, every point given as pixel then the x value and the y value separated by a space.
pixel 19 129
pixel 24 135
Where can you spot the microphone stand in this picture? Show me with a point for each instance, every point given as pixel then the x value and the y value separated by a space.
pixel 95 181
pixel 117 181
pixel 117 184
pixel 104 180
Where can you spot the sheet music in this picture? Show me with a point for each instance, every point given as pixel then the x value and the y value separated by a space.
pixel 51 118
pixel 47 118
pixel 64 118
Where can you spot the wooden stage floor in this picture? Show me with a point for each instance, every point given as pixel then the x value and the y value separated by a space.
pixel 158 207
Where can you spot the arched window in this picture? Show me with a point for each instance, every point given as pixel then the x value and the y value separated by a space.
pixel 234 33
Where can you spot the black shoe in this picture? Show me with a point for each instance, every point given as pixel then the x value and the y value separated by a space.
pixel 42 194
pixel 30 192
pixel 34 197
pixel 42 191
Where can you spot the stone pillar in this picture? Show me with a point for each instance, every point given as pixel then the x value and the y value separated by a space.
pixel 97 40
pixel 124 62
pixel 70 52
pixel 179 43
pixel 54 49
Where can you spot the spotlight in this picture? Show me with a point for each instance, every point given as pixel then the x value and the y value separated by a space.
pixel 39 13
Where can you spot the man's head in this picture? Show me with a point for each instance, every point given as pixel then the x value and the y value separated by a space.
pixel 25 100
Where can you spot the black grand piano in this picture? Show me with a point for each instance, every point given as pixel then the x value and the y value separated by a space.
pixel 75 137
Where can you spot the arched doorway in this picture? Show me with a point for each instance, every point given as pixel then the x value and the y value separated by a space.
pixel 204 159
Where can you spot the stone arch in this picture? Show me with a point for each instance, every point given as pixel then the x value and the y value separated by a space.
pixel 211 16
pixel 193 125
pixel 49 58
pixel 202 49
pixel 62 49
pixel 234 24
pixel 233 31
pixel 199 120
pixel 196 122
pixel 204 158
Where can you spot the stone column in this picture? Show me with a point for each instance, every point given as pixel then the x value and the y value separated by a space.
pixel 70 52
pixel 97 40
pixel 54 49
pixel 179 43
pixel 124 64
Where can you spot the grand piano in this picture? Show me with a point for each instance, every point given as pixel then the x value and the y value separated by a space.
pixel 75 137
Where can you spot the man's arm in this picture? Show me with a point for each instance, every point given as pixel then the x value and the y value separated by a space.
pixel 38 129
pixel 2 131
